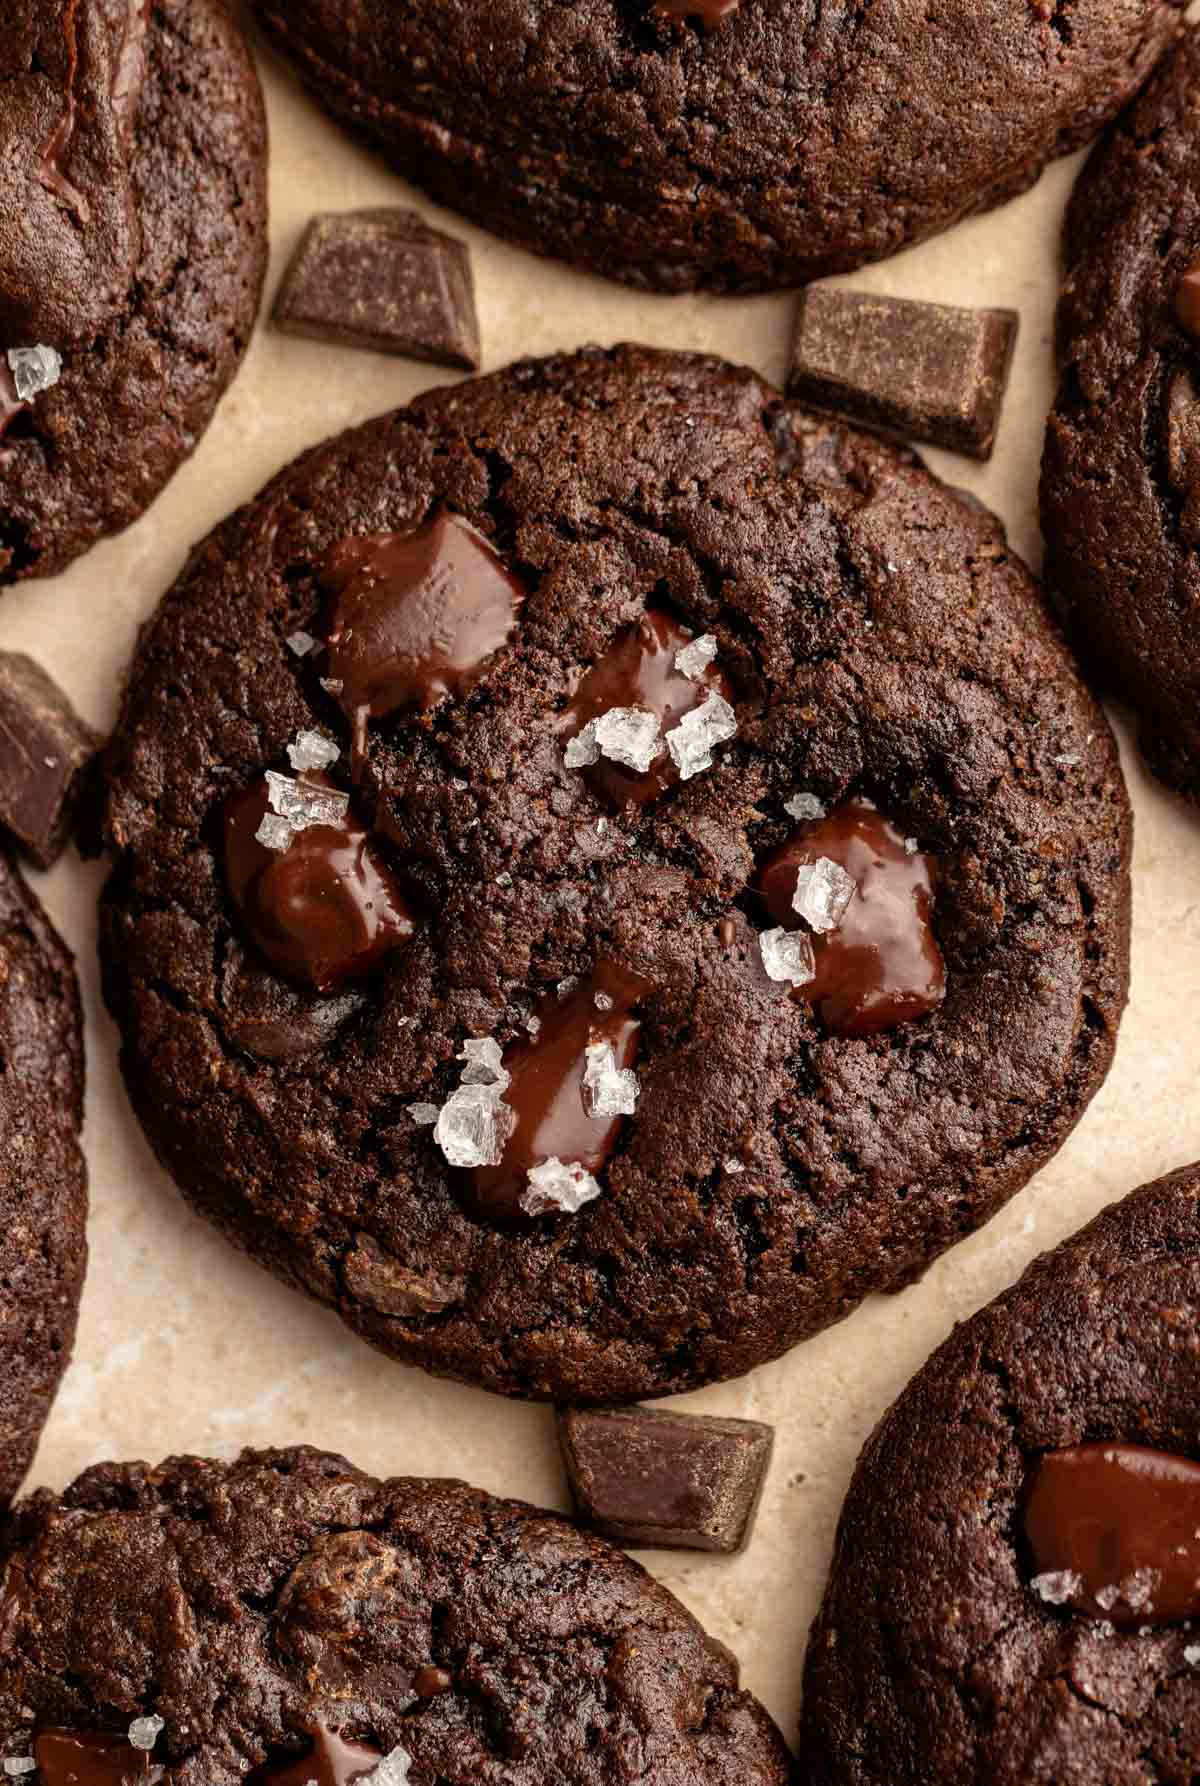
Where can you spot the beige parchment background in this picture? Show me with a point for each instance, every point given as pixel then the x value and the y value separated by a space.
pixel 186 1346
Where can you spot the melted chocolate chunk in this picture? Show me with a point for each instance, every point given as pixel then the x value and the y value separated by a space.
pixel 416 617
pixel 710 13
pixel 639 671
pixel 881 966
pixel 1120 1525
pixel 47 755
pixel 89 1758
pixel 327 909
pixel 1187 300
pixel 431 1681
pixel 547 1091
pixel 130 71
pixel 331 1761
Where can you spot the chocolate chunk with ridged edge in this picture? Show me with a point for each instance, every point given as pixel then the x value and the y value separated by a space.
pixel 680 1481
pixel 383 280
pixel 919 371
pixel 46 754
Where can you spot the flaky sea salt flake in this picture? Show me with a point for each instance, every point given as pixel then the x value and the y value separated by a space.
pixel 275 833
pixel 804 807
pixel 424 1115
pixel 608 1090
pixel 1057 1586
pixel 555 1186
pixel 583 750
pixel 823 892
pixel 34 370
pixel 312 750
pixel 393 1770
pixel 485 1062
pixel 691 742
pixel 692 659
pixel 473 1125
pixel 603 1002
pixel 629 736
pixel 303 804
pixel 302 644
pixel 734 1168
pixel 17 1765
pixel 145 1732
pixel 1191 1654
pixel 788 955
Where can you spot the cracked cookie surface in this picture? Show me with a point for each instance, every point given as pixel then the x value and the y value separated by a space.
pixel 246 1604
pixel 1122 463
pixel 937 1657
pixel 793 140
pixel 43 1183
pixel 90 454
pixel 878 639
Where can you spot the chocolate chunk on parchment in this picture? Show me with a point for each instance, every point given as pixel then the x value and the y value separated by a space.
pixel 383 280
pixel 930 372
pixel 46 755
pixel 681 1481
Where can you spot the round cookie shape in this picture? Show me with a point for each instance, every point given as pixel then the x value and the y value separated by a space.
pixel 879 642
pixel 151 326
pixel 43 1180
pixel 1046 1455
pixel 288 1618
pixel 729 147
pixel 1121 476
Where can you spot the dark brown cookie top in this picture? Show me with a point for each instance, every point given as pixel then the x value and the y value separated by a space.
pixel 784 142
pixel 43 1184
pixel 947 1649
pixel 1121 479
pixel 71 77
pixel 878 641
pixel 88 454
pixel 247 1604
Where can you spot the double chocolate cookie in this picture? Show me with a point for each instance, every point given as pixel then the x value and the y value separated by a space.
pixel 1121 480
pixel 608 872
pixel 43 1184
pixel 734 145
pixel 132 256
pixel 286 1619
pixel 1015 1595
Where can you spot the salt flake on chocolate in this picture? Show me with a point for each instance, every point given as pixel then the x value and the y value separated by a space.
pixel 275 833
pixel 694 658
pixel 553 1185
pixel 484 1063
pixel 304 805
pixel 393 1770
pixel 34 370
pixel 424 1115
pixel 629 736
pixel 691 743
pixel 608 1090
pixel 145 1732
pixel 583 750
pixel 301 643
pixel 1057 1586
pixel 806 808
pixel 823 892
pixel 312 750
pixel 17 1765
pixel 473 1125
pixel 788 955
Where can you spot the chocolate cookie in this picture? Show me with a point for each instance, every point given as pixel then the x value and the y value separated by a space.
pixel 607 873
pixel 734 147
pixel 286 1618
pixel 132 256
pixel 1016 1587
pixel 43 1183
pixel 1121 480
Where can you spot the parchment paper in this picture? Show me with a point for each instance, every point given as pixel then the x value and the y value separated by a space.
pixel 186 1346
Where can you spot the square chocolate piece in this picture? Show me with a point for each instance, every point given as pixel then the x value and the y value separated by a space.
pixel 386 281
pixel 680 1481
pixel 46 756
pixel 929 372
